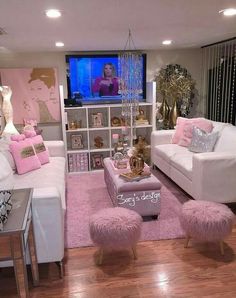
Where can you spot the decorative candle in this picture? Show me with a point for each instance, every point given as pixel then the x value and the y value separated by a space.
pixel 115 137
pixel 124 130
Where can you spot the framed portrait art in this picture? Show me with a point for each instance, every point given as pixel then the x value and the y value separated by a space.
pixel 97 120
pixel 97 161
pixel 77 142
pixel 35 93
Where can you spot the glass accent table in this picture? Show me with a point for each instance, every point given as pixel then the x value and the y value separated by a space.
pixel 17 235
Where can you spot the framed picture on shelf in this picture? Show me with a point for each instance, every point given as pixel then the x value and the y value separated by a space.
pixel 97 161
pixel 77 142
pixel 97 120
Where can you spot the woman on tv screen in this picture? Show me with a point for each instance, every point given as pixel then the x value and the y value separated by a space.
pixel 108 84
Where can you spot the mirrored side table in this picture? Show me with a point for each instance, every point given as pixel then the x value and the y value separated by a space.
pixel 18 235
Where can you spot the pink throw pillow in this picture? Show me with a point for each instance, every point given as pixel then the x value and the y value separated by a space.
pixel 39 147
pixel 179 130
pixel 184 128
pixel 203 124
pixel 29 133
pixel 18 138
pixel 24 155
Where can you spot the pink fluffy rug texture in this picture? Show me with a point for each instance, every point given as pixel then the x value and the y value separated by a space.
pixel 115 228
pixel 87 194
pixel 207 221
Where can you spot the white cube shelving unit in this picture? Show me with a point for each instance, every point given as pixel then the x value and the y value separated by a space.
pixel 84 159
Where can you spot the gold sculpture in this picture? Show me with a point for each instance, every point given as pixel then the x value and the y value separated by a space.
pixel 175 85
pixel 173 115
pixel 98 142
pixel 136 163
pixel 141 119
pixel 142 148
pixel 164 110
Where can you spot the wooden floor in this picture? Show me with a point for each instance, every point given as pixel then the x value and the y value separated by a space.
pixel 164 269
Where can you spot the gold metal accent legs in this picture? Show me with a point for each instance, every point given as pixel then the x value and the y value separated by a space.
pixel 100 256
pixel 222 248
pixel 186 241
pixel 134 252
pixel 221 245
pixel 101 253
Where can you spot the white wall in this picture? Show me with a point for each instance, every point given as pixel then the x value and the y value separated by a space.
pixel 156 59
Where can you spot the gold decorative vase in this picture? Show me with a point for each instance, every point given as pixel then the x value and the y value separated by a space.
pixel 136 164
pixel 174 114
pixel 164 110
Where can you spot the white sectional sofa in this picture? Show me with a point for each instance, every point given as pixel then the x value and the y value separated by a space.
pixel 48 202
pixel 207 176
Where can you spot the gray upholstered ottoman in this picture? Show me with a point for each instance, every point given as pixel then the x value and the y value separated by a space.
pixel 142 196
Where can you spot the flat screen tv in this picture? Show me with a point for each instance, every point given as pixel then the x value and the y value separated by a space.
pixel 89 78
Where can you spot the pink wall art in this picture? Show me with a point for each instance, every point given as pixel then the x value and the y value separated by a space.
pixel 35 93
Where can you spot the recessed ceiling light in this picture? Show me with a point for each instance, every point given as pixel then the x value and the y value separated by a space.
pixel 228 12
pixel 53 13
pixel 59 44
pixel 167 42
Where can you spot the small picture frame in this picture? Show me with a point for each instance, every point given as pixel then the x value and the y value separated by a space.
pixel 77 142
pixel 97 161
pixel 97 120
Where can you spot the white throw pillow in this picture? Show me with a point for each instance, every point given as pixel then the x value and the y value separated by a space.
pixel 6 174
pixel 4 149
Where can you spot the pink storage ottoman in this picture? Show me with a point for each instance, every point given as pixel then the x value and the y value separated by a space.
pixel 115 228
pixel 142 196
pixel 206 221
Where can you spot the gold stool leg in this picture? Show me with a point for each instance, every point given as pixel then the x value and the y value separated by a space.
pixel 134 252
pixel 222 248
pixel 100 256
pixel 186 241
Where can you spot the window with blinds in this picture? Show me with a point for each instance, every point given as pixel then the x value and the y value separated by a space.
pixel 219 81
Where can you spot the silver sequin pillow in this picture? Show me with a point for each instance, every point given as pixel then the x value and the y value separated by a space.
pixel 202 141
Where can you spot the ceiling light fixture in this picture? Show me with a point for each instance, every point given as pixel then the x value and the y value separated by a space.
pixel 53 13
pixel 167 42
pixel 228 12
pixel 59 44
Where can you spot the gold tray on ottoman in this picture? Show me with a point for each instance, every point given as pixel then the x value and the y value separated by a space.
pixel 130 176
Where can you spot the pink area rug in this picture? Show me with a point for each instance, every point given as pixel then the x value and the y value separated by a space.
pixel 87 193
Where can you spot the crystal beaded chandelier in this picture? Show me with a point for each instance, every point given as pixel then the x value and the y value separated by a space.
pixel 130 72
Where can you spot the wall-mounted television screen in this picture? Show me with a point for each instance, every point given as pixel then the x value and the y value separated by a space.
pixel 94 79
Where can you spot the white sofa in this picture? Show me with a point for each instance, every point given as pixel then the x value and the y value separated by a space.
pixel 48 202
pixel 207 176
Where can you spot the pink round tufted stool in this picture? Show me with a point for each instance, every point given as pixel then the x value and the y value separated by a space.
pixel 206 221
pixel 115 228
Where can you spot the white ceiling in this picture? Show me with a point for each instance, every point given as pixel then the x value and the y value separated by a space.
pixel 88 25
